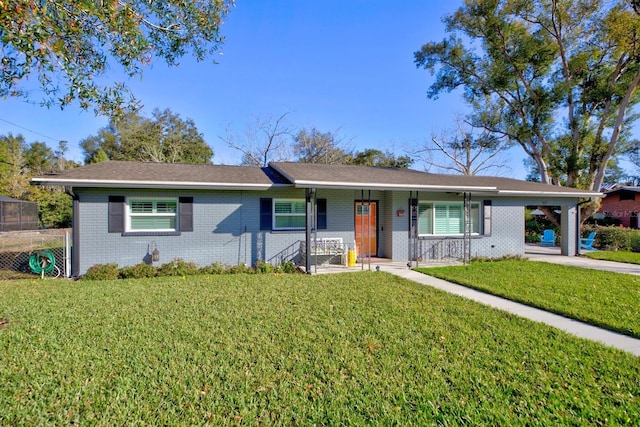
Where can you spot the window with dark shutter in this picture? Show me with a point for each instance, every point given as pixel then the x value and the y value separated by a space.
pixel 322 214
pixel 265 214
pixel 185 211
pixel 116 214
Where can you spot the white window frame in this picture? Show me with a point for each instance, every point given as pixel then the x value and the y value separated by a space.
pixel 432 204
pixel 154 200
pixel 275 215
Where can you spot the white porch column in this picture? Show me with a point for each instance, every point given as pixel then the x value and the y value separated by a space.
pixel 569 230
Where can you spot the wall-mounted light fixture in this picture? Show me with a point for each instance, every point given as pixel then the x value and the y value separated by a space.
pixel 155 254
pixel 400 212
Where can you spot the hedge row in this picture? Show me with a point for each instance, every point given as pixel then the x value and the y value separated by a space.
pixel 614 238
pixel 179 267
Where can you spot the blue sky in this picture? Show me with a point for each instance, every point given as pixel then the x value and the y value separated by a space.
pixel 333 64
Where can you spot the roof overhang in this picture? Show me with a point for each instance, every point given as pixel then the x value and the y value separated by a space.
pixel 337 185
pixel 347 177
pixel 165 185
pixel 132 175
pixel 555 194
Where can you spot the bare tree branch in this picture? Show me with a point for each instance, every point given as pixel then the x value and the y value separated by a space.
pixel 467 150
pixel 268 140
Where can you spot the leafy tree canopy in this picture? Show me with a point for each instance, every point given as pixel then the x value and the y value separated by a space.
pixel 373 157
pixel 164 138
pixel 557 77
pixel 19 162
pixel 314 146
pixel 68 46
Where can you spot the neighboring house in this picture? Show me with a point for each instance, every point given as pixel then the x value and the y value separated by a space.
pixel 622 203
pixel 122 211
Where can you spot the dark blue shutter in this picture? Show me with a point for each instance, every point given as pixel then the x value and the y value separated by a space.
pixel 185 210
pixel 266 207
pixel 322 214
pixel 116 214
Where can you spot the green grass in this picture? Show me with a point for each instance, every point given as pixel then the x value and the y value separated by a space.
pixel 618 256
pixel 606 299
pixel 355 348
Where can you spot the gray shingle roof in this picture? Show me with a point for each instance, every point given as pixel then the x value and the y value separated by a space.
pixel 120 174
pixel 123 174
pixel 346 176
pixel 623 188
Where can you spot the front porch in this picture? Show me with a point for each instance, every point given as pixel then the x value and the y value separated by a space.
pixel 533 252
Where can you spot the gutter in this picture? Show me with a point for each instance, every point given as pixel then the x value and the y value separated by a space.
pixel 387 186
pixel 548 193
pixel 155 184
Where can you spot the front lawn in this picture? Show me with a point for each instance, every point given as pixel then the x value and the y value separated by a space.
pixel 602 298
pixel 354 348
pixel 618 256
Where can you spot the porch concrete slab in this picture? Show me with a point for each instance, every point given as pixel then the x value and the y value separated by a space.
pixel 574 327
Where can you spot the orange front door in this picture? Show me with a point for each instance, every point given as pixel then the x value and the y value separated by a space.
pixel 366 229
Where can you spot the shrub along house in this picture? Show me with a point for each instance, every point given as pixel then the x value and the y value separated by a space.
pixel 123 211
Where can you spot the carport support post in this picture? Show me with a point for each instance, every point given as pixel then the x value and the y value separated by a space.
pixel 310 192
pixel 569 230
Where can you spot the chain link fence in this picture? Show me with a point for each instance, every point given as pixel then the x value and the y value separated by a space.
pixel 22 251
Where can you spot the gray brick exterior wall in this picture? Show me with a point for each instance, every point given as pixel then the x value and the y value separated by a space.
pixel 569 246
pixel 506 236
pixel 399 225
pixel 507 231
pixel 226 227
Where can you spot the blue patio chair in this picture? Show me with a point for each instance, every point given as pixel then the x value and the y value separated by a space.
pixel 587 243
pixel 548 238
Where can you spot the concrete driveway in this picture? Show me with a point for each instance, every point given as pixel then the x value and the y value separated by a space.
pixel 552 255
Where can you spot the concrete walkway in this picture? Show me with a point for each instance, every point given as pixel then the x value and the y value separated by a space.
pixel 534 253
